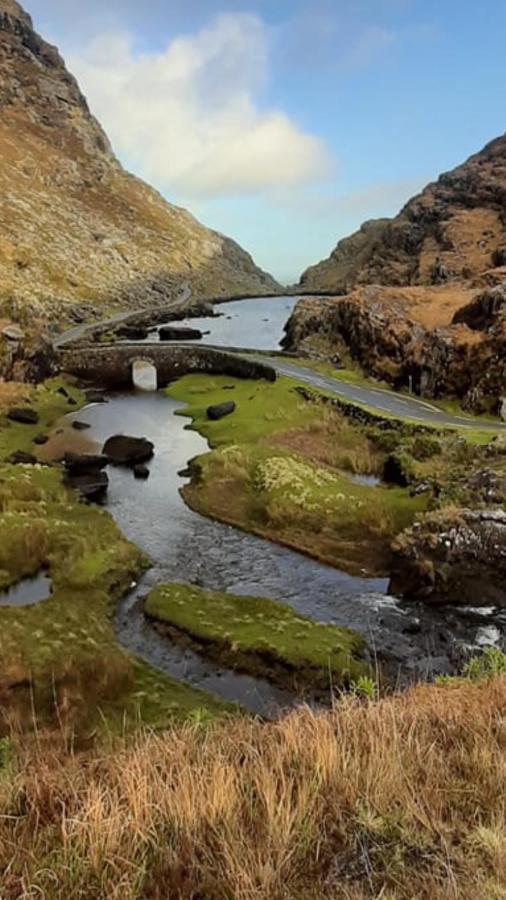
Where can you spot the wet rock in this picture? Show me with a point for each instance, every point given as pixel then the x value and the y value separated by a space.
pixel 219 410
pixel 23 414
pixel 124 450
pixel 141 471
pixel 178 333
pixel 93 396
pixel 13 333
pixel 454 557
pixel 80 426
pixel 91 486
pixel 40 439
pixel 19 457
pixel 84 463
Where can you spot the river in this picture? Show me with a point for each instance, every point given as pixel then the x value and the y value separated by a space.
pixel 184 546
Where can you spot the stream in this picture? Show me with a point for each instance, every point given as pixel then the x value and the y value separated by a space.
pixel 184 546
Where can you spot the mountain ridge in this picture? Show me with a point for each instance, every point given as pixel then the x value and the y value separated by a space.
pixel 449 231
pixel 79 234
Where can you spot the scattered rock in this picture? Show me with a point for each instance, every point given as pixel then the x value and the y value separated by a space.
pixel 13 333
pixel 141 471
pixel 19 457
pixel 219 410
pixel 63 392
pixel 84 463
pixel 124 450
pixel 40 439
pixel 179 333
pixel 23 414
pixel 80 426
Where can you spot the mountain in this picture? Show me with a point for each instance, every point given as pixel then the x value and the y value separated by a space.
pixel 77 232
pixel 421 299
pixel 455 229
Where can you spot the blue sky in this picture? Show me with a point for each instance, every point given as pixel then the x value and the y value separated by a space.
pixel 287 124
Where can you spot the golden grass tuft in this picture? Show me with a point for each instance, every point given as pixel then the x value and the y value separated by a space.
pixel 399 799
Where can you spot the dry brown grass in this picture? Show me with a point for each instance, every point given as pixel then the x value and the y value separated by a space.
pixel 12 393
pixel 399 799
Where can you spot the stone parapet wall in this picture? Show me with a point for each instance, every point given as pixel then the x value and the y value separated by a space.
pixel 111 366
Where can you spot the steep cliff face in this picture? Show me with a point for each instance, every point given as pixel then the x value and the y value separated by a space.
pixel 76 231
pixel 455 229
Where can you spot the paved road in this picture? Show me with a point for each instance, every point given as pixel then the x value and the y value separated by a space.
pixel 75 334
pixel 384 401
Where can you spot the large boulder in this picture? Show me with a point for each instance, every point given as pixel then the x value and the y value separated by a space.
pixel 84 463
pixel 124 450
pixel 219 410
pixel 23 414
pixel 452 557
pixel 91 485
pixel 179 333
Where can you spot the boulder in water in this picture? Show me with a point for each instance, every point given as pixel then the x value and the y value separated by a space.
pixel 124 450
pixel 91 485
pixel 84 463
pixel 179 333
pixel 141 471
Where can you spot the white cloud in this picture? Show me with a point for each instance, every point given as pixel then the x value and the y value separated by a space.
pixel 188 118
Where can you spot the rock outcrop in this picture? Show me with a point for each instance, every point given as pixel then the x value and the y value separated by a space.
pixel 454 230
pixel 420 299
pixel 428 339
pixel 76 230
pixel 453 556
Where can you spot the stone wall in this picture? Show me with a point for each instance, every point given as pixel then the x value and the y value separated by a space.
pixel 111 366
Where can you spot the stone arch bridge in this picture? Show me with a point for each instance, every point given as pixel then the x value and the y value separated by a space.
pixel 111 366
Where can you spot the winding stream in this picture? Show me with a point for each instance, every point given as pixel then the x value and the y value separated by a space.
pixel 185 546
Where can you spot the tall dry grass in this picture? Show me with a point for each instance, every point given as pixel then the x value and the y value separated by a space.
pixel 404 798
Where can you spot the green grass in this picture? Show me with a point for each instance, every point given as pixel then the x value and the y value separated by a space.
pixel 255 634
pixel 63 651
pixel 255 480
pixel 50 405
pixel 262 407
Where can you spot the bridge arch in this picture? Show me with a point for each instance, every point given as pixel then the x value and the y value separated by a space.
pixel 144 374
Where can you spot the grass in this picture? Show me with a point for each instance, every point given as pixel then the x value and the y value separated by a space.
pixel 261 636
pixel 60 656
pixel 46 400
pixel 279 468
pixel 397 799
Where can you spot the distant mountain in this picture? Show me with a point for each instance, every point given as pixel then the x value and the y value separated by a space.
pixel 454 230
pixel 76 231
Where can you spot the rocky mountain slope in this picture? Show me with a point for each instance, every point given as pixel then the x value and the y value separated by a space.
pixel 455 229
pixel 421 299
pixel 77 232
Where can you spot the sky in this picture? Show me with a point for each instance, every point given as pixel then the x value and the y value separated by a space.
pixel 287 123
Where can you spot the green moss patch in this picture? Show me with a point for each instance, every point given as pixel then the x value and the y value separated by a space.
pixel 260 636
